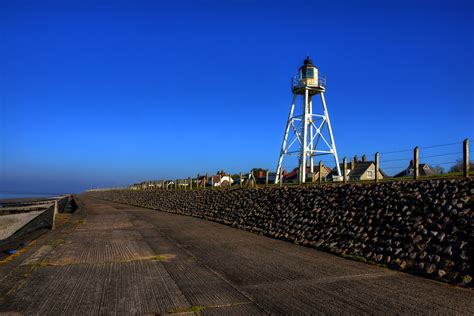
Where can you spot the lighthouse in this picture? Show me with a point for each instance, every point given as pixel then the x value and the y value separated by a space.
pixel 308 132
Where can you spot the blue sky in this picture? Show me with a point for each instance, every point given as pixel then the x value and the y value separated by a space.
pixel 105 93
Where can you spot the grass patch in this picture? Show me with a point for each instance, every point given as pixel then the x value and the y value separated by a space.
pixel 354 257
pixel 196 309
pixel 60 241
pixel 162 257
pixel 18 253
pixel 40 264
pixel 363 259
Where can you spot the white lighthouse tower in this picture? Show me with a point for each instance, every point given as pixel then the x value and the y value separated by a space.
pixel 309 130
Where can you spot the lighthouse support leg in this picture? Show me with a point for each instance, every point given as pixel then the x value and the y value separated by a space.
pixel 304 145
pixel 279 175
pixel 333 143
pixel 311 137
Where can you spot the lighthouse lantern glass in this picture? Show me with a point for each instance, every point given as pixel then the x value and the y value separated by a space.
pixel 307 73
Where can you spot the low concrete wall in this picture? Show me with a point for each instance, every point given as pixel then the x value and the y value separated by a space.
pixel 34 228
pixel 423 227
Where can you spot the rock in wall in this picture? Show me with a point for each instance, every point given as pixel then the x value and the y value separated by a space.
pixel 422 227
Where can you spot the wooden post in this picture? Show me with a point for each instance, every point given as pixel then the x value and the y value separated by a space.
pixel 240 179
pixel 344 170
pixel 266 177
pixel 206 180
pixel 377 166
pixel 320 175
pixel 190 183
pixel 465 169
pixel 416 169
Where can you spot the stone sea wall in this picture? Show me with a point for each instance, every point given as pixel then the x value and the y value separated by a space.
pixel 423 227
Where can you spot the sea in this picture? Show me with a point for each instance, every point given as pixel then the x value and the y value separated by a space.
pixel 24 195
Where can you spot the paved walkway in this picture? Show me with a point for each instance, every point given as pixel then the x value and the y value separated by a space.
pixel 122 259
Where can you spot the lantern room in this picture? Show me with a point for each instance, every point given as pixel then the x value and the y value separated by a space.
pixel 309 73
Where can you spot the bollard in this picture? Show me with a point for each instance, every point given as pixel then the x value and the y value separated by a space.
pixel 465 169
pixel 344 170
pixel 266 177
pixel 190 183
pixel 416 171
pixel 377 166
pixel 240 179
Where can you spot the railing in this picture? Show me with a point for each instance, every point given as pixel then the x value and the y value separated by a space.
pixel 297 83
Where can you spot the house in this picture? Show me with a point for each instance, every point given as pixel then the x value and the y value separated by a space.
pixel 424 170
pixel 294 174
pixel 359 170
pixel 220 180
pixel 262 177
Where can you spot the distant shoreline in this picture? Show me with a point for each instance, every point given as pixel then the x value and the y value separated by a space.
pixel 23 197
pixel 4 195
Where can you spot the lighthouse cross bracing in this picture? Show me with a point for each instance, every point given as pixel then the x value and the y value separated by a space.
pixel 308 127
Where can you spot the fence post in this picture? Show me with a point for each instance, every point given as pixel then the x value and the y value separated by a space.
pixel 320 174
pixel 344 170
pixel 416 171
pixel 377 166
pixel 466 158
pixel 266 177
pixel 240 179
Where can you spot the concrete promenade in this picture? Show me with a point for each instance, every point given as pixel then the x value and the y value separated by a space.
pixel 117 259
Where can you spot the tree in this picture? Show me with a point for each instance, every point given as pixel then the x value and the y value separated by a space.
pixel 437 170
pixel 458 166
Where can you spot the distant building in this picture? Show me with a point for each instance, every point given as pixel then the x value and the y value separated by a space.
pixel 360 170
pixel 424 170
pixel 294 174
pixel 262 178
pixel 220 179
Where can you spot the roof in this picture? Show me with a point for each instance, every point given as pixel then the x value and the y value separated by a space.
pixel 360 168
pixel 294 173
pixel 423 168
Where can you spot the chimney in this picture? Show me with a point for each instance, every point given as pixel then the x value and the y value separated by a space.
pixel 364 159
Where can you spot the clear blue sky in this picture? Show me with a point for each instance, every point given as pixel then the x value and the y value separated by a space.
pixel 104 93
